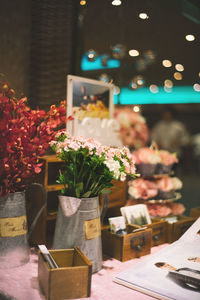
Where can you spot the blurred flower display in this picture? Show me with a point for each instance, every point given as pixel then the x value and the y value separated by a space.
pixel 133 128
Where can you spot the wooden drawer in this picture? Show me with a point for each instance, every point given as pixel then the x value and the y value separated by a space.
pixel 159 232
pixel 195 212
pixel 177 229
pixel 129 246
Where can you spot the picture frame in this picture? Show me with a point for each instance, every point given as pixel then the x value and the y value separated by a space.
pixel 136 214
pixel 88 98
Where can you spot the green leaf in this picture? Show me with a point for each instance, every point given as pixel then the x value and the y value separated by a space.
pixel 87 194
pixel 106 191
pixel 78 189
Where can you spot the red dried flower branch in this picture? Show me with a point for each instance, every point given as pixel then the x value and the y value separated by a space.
pixel 24 136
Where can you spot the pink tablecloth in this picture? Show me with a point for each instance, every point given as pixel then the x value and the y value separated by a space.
pixel 21 283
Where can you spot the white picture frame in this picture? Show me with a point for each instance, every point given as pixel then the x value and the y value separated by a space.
pixel 83 91
pixel 136 214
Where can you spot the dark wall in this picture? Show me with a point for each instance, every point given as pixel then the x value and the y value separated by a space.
pixel 15 23
pixel 37 38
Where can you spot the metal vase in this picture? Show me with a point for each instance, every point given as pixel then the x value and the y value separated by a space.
pixel 78 224
pixel 14 249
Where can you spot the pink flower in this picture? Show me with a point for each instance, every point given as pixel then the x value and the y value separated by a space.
pixel 168 158
pixel 142 189
pixel 165 184
pixel 146 155
pixel 176 208
pixel 158 210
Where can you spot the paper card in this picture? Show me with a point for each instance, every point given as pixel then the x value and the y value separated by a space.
pixel 136 214
pixel 117 224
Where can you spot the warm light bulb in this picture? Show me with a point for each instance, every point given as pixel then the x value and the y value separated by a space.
pixel 178 76
pixel 168 83
pixel 143 16
pixel 196 87
pixel 154 88
pixel 133 52
pixel 116 2
pixel 136 108
pixel 82 2
pixel 166 63
pixel 179 67
pixel 190 37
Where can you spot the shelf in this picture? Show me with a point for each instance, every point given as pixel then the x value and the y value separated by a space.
pixel 53 187
pixel 51 215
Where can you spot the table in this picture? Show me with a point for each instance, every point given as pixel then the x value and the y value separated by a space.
pixel 21 283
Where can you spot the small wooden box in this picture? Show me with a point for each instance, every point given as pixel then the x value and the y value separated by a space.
pixel 177 229
pixel 129 246
pixel 72 278
pixel 195 212
pixel 159 231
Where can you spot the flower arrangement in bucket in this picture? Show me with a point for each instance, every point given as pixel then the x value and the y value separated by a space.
pixel 89 170
pixel 24 135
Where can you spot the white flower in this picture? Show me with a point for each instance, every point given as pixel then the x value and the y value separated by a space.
pixel 133 192
pixel 123 176
pixel 113 165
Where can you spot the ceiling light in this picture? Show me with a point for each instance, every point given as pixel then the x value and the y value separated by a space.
pixel 133 52
pixel 82 2
pixel 136 108
pixel 179 67
pixel 143 16
pixel 178 76
pixel 168 83
pixel 154 88
pixel 166 63
pixel 190 37
pixel 116 2
pixel 196 87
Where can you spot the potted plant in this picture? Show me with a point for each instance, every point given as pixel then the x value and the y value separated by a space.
pixel 24 136
pixel 89 169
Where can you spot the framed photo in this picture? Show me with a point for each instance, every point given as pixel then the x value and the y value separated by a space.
pixel 136 214
pixel 89 98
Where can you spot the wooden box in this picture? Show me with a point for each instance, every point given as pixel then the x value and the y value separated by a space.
pixel 72 278
pixel 195 212
pixel 159 231
pixel 177 229
pixel 129 246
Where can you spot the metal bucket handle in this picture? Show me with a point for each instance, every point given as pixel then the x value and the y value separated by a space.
pixel 104 207
pixel 44 200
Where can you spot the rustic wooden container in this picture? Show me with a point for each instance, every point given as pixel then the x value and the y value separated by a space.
pixel 72 278
pixel 129 246
pixel 177 229
pixel 159 231
pixel 195 212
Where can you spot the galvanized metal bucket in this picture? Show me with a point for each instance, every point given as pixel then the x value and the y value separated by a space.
pixel 14 249
pixel 78 224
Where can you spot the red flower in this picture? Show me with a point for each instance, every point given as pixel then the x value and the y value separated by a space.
pixel 24 136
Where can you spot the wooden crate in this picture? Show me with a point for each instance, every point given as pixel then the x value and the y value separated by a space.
pixel 177 229
pixel 159 231
pixel 129 246
pixel 195 212
pixel 72 278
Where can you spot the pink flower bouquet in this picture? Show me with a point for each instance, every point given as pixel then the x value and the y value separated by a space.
pixel 89 166
pixel 167 162
pixel 146 160
pixel 134 132
pixel 142 189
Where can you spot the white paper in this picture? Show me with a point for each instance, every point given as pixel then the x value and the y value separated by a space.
pixel 149 279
